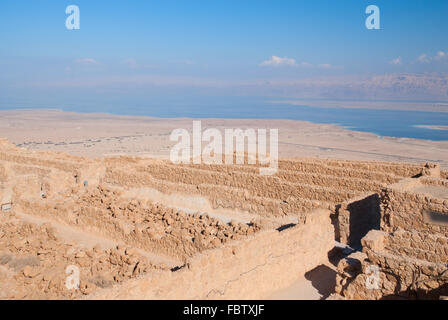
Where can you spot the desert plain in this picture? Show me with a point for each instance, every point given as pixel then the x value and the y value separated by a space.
pixel 100 135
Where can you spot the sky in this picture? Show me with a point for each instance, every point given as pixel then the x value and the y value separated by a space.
pixel 170 51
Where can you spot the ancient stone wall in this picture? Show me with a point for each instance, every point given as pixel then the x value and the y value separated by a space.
pixel 384 272
pixel 444 174
pixel 418 245
pixel 218 196
pixel 398 169
pixel 224 230
pixel 3 175
pixel 242 270
pixel 38 258
pixel 261 186
pixel 298 186
pixel 145 225
pixel 403 208
pixel 408 257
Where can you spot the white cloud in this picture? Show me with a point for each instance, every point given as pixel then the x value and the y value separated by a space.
pixel 305 65
pixel 134 64
pixel 396 61
pixel 441 55
pixel 325 66
pixel 423 58
pixel 185 62
pixel 131 63
pixel 275 61
pixel 86 61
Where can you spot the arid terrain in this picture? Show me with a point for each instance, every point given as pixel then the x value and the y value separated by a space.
pixel 96 193
pixel 99 135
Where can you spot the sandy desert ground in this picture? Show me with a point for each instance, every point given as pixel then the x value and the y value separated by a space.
pixel 99 135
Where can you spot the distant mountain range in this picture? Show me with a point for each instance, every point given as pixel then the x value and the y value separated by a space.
pixel 383 87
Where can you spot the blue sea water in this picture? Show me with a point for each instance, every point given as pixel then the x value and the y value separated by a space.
pixel 381 122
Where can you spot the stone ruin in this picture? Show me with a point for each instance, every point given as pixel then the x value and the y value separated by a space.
pixel 139 228
pixel 410 249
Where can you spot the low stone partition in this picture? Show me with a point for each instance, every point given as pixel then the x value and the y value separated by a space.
pixel 408 256
pixel 418 245
pixel 251 268
pixel 382 272
pixel 444 174
pixel 261 186
pixel 336 179
pixel 322 169
pixel 218 196
pixel 3 173
pixel 26 160
pixel 34 258
pixel 375 170
pixel 430 181
pixel 360 167
pixel 354 184
pixel 141 224
pixel 415 204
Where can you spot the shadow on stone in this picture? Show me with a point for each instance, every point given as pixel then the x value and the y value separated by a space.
pixel 323 278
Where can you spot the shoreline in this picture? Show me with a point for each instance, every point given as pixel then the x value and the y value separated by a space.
pixel 101 134
pixel 423 106
pixel 430 127
pixel 349 127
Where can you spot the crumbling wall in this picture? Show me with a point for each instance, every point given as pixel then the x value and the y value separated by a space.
pixel 330 185
pixel 358 167
pixel 332 166
pixel 312 166
pixel 145 225
pixel 408 257
pixel 402 208
pixel 239 260
pixel 38 258
pixel 431 170
pixel 3 174
pixel 27 170
pixel 261 186
pixel 434 182
pixel 322 176
pixel 444 174
pixel 251 268
pixel 381 272
pixel 60 165
pixel 218 196
pixel 418 245
pixel 355 184
pixel 55 160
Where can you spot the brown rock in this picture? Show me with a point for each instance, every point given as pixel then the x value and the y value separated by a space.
pixel 30 272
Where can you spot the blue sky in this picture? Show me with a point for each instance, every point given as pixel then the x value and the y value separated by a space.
pixel 144 50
